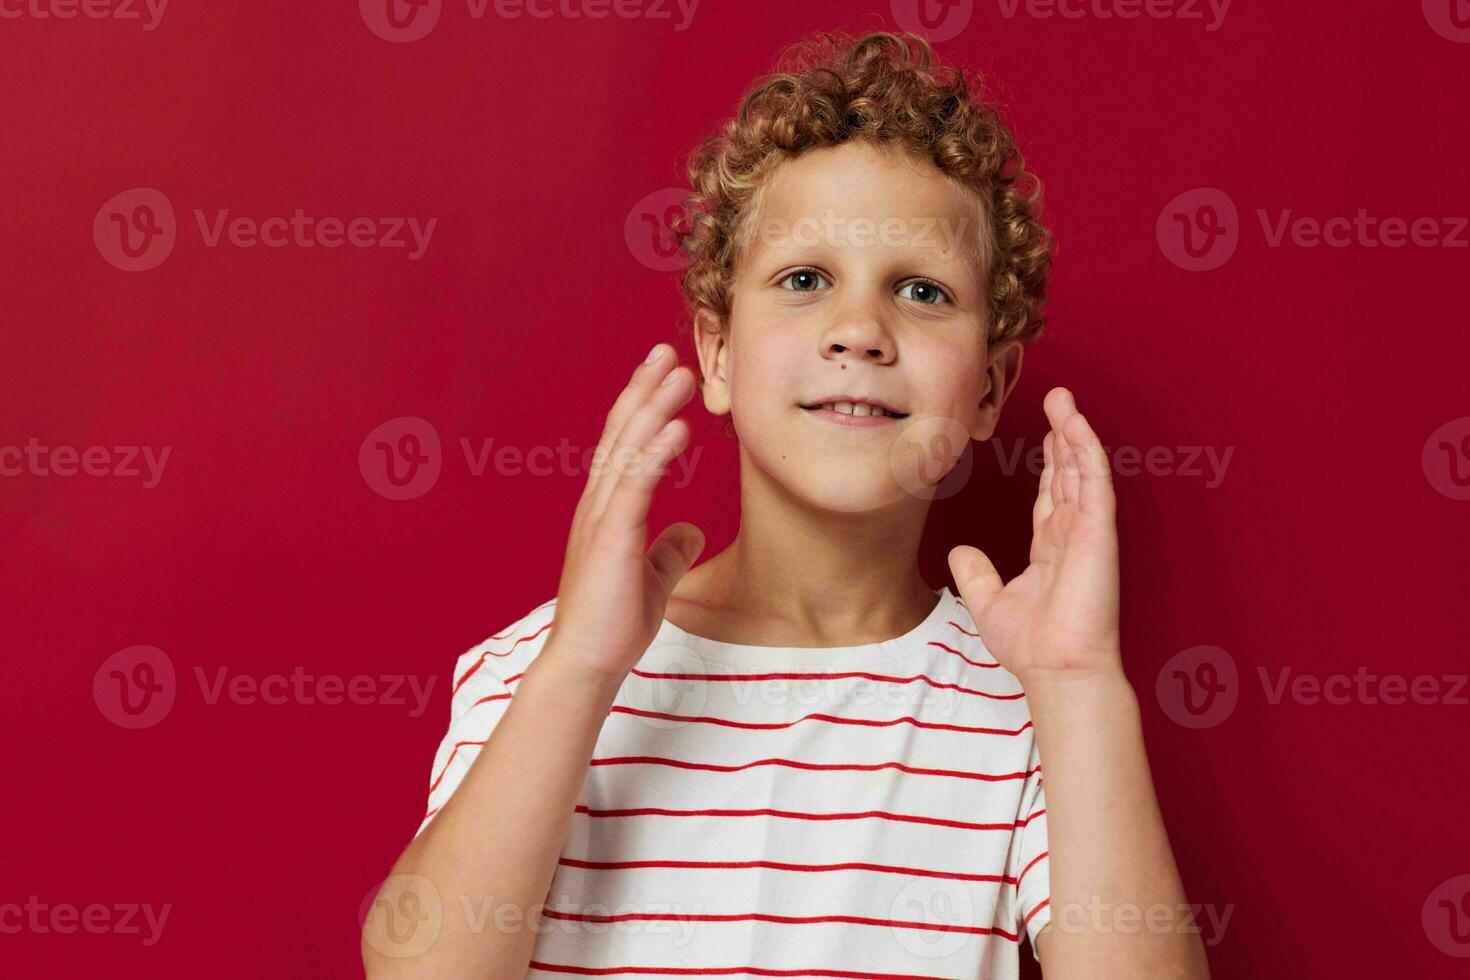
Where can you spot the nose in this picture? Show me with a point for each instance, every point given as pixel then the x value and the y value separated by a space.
pixel 858 332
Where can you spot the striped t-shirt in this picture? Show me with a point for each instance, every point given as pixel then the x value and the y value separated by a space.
pixel 865 811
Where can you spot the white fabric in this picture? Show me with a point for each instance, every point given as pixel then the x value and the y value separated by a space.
pixel 809 843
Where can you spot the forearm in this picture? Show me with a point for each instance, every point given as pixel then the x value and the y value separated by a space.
pixel 489 855
pixel 1117 904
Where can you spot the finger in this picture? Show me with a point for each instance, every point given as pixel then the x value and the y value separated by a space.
pixel 1044 505
pixel 647 421
pixel 636 475
pixel 645 380
pixel 1060 406
pixel 1096 495
pixel 975 576
pixel 673 552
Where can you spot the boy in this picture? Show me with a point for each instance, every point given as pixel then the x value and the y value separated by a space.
pixel 798 759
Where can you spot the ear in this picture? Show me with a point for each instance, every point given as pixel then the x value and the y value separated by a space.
pixel 712 345
pixel 1002 371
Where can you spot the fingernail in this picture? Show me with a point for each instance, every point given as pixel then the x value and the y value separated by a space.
pixel 668 378
pixel 655 354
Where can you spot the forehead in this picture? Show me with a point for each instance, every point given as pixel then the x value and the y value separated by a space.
pixel 859 194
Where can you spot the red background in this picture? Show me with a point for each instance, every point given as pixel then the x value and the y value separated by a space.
pixel 263 549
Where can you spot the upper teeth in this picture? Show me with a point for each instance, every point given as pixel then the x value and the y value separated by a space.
pixel 855 408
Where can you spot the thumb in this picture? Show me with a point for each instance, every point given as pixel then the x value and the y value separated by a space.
pixel 974 576
pixel 674 551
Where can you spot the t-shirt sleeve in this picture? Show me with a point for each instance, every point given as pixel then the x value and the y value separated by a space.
pixel 1029 857
pixel 485 679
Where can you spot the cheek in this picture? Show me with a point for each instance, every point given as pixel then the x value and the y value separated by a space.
pixel 954 384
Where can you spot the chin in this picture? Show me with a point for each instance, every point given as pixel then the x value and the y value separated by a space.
pixel 848 490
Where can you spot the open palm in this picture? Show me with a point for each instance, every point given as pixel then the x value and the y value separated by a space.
pixel 1059 616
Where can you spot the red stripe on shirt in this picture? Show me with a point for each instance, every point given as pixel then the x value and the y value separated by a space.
pixel 857 920
pixel 838 676
pixel 814 766
pixel 784 866
pixel 834 719
pixel 973 663
pixel 796 815
pixel 1029 867
pixel 724 971
pixel 491 653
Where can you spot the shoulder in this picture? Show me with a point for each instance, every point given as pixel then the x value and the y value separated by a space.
pixel 502 657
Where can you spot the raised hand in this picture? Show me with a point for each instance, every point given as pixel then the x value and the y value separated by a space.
pixel 1058 618
pixel 615 586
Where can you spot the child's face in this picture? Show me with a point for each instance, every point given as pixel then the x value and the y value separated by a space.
pixel 863 278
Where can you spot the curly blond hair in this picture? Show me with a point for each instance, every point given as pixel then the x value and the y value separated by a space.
pixel 885 89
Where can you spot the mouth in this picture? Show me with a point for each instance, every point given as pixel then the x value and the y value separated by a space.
pixel 852 411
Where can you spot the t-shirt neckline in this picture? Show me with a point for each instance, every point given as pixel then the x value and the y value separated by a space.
pixel 758 657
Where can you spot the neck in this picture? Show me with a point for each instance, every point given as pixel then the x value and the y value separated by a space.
pixel 815 577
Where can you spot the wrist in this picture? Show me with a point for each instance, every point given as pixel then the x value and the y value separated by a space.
pixel 571 676
pixel 1047 688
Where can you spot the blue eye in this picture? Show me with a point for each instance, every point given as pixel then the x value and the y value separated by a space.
pixel 932 295
pixel 808 278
